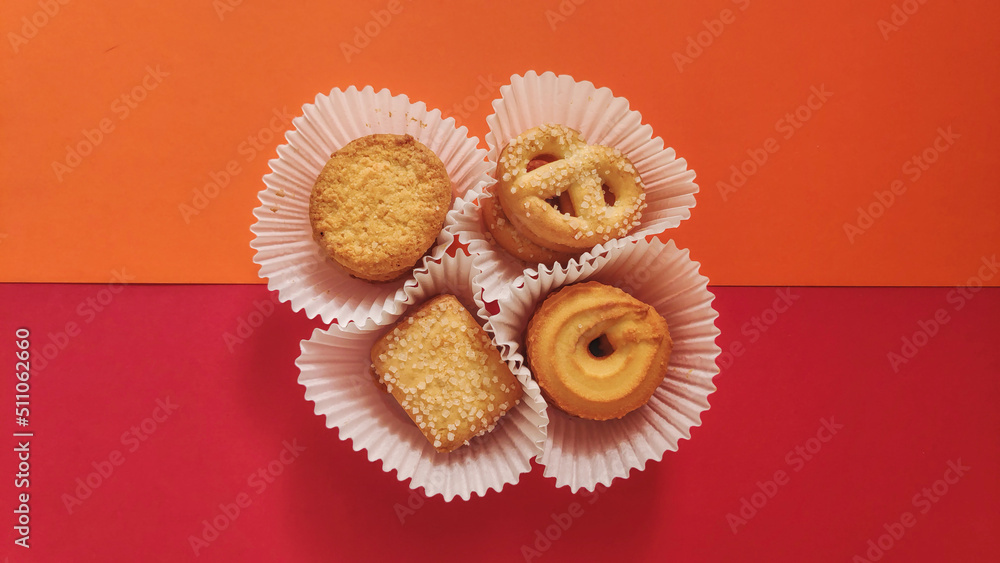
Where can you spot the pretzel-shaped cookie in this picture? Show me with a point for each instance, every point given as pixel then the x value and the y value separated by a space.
pixel 603 186
pixel 503 233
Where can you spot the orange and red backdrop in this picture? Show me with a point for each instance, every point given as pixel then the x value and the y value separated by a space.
pixel 848 144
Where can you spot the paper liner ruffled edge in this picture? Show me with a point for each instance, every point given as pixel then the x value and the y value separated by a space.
pixel 533 99
pixel 529 415
pixel 509 324
pixel 300 272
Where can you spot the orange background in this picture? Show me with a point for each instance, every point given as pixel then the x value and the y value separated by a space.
pixel 229 73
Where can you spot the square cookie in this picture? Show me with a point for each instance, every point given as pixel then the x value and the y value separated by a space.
pixel 443 370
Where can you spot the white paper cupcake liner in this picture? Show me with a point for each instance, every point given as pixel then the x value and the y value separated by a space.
pixel 532 100
pixel 334 368
pixel 289 257
pixel 583 453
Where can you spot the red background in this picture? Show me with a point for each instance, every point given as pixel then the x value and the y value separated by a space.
pixel 826 357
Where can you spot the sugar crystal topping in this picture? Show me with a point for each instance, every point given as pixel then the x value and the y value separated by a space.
pixel 441 367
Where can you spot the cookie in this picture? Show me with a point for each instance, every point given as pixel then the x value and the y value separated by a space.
pixel 442 368
pixel 502 232
pixel 596 351
pixel 379 204
pixel 581 196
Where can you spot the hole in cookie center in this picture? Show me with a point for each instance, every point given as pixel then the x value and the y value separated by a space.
pixel 601 347
pixel 540 160
pixel 609 196
pixel 562 203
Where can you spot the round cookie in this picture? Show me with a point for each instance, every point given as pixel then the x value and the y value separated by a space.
pixel 379 204
pixel 596 351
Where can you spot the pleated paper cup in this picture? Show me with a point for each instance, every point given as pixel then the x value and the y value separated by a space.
pixel 583 453
pixel 603 119
pixel 289 258
pixel 334 368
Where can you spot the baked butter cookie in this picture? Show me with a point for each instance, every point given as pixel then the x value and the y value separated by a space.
pixel 564 194
pixel 443 370
pixel 500 230
pixel 379 204
pixel 596 351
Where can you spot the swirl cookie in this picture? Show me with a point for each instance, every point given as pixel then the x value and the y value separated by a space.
pixel 379 204
pixel 596 351
pixel 443 370
pixel 581 195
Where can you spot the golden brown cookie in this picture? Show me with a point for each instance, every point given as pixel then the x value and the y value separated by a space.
pixel 606 196
pixel 506 236
pixel 379 204
pixel 596 351
pixel 443 370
